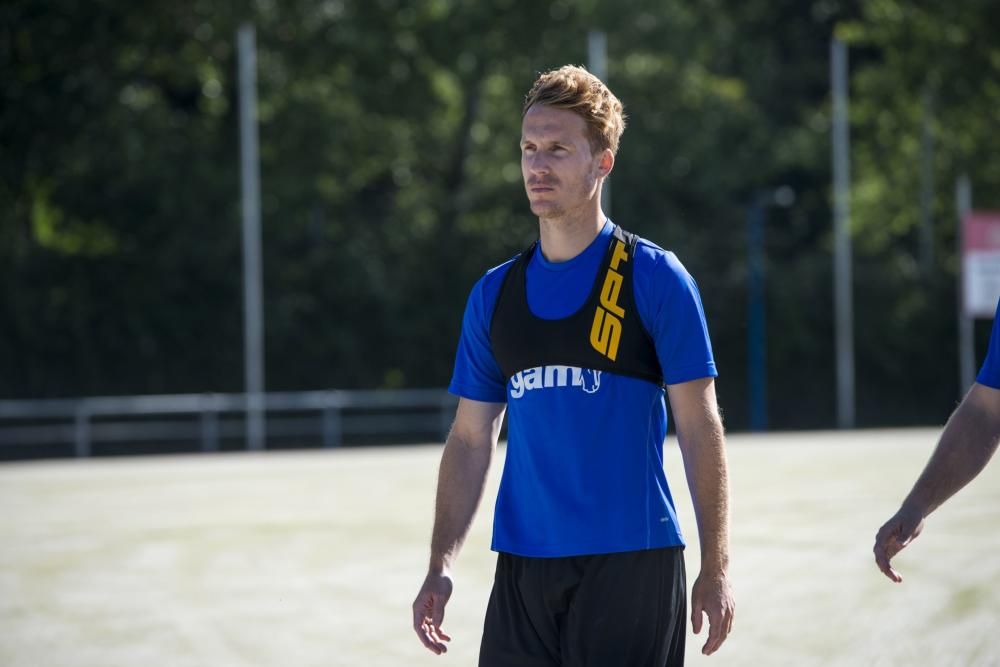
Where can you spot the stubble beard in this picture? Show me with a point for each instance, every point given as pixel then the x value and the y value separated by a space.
pixel 554 213
pixel 548 210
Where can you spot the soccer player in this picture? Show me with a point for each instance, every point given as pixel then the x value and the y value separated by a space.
pixel 967 444
pixel 581 337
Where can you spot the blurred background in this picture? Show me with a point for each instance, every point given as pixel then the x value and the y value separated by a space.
pixel 390 181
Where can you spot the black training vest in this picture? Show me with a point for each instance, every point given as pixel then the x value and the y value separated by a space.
pixel 605 334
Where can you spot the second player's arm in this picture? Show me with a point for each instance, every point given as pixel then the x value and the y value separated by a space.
pixel 967 444
pixel 702 444
pixel 465 464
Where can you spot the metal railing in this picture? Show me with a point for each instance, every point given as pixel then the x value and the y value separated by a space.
pixel 208 419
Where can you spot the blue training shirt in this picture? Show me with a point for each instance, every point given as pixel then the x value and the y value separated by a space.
pixel 989 374
pixel 584 467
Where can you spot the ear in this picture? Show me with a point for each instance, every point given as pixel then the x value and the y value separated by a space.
pixel 605 163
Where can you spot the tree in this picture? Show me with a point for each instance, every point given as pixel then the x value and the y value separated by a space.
pixel 391 181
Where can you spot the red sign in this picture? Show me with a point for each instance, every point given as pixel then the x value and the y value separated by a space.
pixel 981 263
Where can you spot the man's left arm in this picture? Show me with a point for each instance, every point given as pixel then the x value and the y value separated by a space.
pixel 703 448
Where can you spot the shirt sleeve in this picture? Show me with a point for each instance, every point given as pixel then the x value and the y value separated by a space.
pixel 670 306
pixel 989 374
pixel 477 375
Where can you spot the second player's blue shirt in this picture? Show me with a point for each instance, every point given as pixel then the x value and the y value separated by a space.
pixel 584 467
pixel 989 374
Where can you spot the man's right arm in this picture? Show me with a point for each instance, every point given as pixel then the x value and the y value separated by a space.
pixel 465 463
pixel 967 443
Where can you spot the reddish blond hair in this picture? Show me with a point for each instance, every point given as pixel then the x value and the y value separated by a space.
pixel 575 89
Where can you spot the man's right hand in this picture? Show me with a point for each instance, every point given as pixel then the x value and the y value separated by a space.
pixel 428 611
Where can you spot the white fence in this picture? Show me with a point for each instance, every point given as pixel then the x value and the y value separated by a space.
pixel 325 417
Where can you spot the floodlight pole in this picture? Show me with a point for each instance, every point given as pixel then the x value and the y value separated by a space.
pixel 843 279
pixel 756 315
pixel 927 184
pixel 966 342
pixel 760 202
pixel 253 329
pixel 597 63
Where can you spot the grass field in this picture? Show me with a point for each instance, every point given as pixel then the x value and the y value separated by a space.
pixel 312 558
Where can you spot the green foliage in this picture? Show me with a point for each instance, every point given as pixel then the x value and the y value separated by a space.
pixel 391 181
pixel 926 90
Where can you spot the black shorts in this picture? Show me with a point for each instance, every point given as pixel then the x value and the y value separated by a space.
pixel 625 609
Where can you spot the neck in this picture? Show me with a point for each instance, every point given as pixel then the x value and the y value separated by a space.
pixel 565 237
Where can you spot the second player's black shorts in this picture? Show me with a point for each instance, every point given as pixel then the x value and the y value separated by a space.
pixel 624 609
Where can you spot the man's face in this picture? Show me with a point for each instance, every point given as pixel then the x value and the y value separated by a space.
pixel 560 171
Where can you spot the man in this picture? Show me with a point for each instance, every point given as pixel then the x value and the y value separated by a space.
pixel 967 444
pixel 578 336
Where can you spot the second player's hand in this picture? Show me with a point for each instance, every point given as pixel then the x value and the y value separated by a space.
pixel 712 596
pixel 893 536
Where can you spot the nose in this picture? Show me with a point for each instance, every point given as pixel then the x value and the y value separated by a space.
pixel 536 163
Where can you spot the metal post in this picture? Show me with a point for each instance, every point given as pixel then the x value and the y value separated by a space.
pixel 209 423
pixel 209 431
pixel 253 329
pixel 333 430
pixel 927 185
pixel 756 317
pixel 597 63
pixel 843 280
pixel 81 430
pixel 966 342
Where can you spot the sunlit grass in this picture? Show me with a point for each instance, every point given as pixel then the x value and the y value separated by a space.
pixel 312 558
